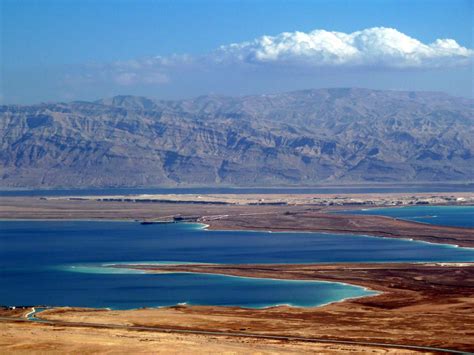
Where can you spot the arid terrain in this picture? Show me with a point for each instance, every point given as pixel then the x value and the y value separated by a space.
pixel 238 212
pixel 207 177
pixel 298 138
pixel 427 305
pixel 418 305
pixel 346 199
pixel 37 338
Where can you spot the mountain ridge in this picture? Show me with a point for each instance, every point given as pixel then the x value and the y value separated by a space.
pixel 304 137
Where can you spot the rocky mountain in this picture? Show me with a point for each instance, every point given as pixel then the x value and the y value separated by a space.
pixel 298 138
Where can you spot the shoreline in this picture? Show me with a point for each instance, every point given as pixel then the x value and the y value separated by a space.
pixel 365 288
pixel 288 218
pixel 209 228
pixel 338 234
pixel 419 304
pixel 150 268
pixel 357 224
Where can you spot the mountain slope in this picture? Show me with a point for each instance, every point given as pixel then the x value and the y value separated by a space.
pixel 304 137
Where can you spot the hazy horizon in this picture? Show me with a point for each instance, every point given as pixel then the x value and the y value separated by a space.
pixel 172 50
pixel 226 92
pixel 266 93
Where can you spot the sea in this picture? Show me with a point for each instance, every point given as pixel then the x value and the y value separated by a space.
pixel 323 189
pixel 64 263
pixel 455 216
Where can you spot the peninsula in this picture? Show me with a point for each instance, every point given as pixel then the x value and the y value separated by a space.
pixel 418 308
pixel 309 213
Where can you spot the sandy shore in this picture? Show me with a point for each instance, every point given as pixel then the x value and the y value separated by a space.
pixel 420 304
pixel 311 220
pixel 238 217
pixel 429 304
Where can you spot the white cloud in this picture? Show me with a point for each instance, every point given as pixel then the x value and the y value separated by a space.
pixel 378 46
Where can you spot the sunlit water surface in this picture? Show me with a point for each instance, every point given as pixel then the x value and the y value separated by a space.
pixel 62 263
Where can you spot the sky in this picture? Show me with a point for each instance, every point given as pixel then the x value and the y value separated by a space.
pixel 64 50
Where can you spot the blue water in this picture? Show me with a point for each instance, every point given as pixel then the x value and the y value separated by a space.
pixel 37 260
pixel 457 216
pixel 354 189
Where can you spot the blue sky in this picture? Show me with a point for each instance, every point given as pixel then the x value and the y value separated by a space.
pixel 61 50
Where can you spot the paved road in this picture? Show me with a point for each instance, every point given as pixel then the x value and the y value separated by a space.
pixel 31 318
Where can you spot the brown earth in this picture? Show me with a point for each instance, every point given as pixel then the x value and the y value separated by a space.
pixel 28 338
pixel 419 304
pixel 238 217
pixel 37 208
pixel 317 220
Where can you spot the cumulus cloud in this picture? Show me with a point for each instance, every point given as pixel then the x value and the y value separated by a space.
pixel 378 46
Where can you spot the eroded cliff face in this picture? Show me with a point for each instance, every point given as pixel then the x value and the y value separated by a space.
pixel 304 137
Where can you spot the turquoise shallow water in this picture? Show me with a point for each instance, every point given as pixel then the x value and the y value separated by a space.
pixel 61 263
pixel 457 216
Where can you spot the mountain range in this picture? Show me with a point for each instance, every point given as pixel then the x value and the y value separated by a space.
pixel 306 137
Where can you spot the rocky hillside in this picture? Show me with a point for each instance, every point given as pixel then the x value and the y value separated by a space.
pixel 304 137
